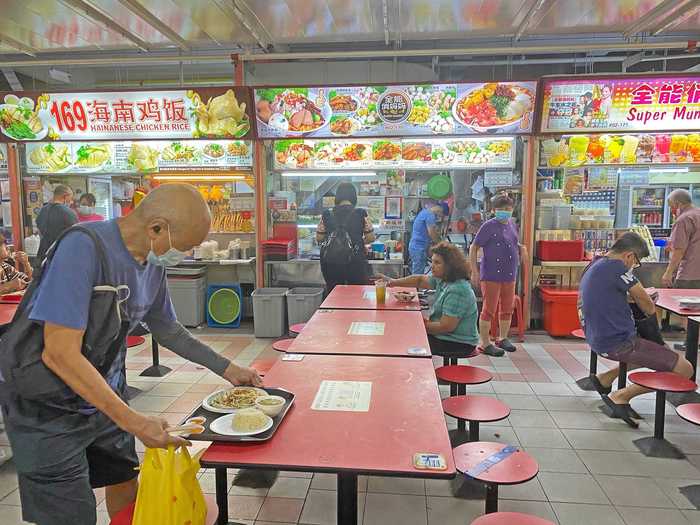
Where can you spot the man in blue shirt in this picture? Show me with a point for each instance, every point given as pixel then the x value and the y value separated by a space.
pixel 425 232
pixel 606 287
pixel 64 448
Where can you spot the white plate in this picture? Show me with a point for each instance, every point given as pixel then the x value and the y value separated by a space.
pixel 222 426
pixel 218 410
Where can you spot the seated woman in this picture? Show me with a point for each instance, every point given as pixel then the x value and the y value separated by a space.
pixel 11 278
pixel 452 322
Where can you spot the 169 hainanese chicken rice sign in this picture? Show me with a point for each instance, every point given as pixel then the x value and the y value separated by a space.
pixel 622 104
pixel 207 113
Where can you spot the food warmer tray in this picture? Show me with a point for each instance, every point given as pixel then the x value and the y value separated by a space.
pixel 208 435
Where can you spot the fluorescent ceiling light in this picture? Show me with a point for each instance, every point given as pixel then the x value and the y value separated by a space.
pixel 669 170
pixel 329 173
pixel 207 178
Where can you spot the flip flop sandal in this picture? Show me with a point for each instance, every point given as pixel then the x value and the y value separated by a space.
pixel 589 385
pixel 602 390
pixel 506 345
pixel 619 412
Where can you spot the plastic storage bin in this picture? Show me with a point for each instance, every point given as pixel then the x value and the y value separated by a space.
pixel 187 294
pixel 224 305
pixel 560 250
pixel 270 312
pixel 302 303
pixel 560 313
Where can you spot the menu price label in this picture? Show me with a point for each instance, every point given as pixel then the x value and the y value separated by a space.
pixel 617 104
pixel 343 396
pixel 140 157
pixel 418 110
pixel 170 114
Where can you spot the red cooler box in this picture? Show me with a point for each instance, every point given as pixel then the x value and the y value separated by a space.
pixel 559 250
pixel 560 313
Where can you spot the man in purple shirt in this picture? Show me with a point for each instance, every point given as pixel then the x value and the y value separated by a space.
pixel 502 251
pixel 683 269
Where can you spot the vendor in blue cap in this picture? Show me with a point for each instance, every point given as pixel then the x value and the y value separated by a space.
pixel 425 233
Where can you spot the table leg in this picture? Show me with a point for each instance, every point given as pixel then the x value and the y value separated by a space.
pixel 221 495
pixel 156 369
pixel 491 498
pixel 347 498
pixel 691 346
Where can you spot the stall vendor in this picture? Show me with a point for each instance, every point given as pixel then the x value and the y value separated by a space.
pixel 79 438
pixel 425 232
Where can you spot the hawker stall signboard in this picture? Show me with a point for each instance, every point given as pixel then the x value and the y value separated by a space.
pixel 635 103
pixel 208 113
pixel 395 111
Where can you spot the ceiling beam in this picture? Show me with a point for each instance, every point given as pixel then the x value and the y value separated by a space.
pixel 17 45
pixel 675 19
pixel 83 7
pixel 152 20
pixel 240 12
pixel 533 17
pixel 652 17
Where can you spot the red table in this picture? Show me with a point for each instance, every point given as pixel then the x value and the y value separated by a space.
pixel 668 301
pixel 405 417
pixel 327 333
pixel 359 297
pixel 7 312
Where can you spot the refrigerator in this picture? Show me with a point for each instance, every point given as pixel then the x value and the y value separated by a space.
pixel 101 188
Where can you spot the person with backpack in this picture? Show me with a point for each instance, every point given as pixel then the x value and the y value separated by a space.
pixel 63 357
pixel 342 234
pixel 54 217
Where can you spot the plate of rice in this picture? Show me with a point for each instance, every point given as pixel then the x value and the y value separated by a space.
pixel 243 422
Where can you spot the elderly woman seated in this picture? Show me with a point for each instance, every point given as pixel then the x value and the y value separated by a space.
pixel 452 321
pixel 12 278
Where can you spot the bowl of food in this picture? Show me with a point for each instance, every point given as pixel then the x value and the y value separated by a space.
pixel 493 106
pixel 404 297
pixel 270 405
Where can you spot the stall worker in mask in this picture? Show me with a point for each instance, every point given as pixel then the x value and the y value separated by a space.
pixel 86 209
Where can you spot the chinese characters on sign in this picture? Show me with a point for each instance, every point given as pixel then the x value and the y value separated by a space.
pixel 177 114
pixel 394 107
pixel 625 104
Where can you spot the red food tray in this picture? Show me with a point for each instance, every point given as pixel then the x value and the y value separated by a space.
pixel 560 250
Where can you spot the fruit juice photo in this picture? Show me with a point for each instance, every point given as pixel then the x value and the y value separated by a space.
pixel 629 149
pixel 578 145
pixel 645 150
pixel 678 144
pixel 663 144
pixel 613 150
pixel 595 150
pixel 693 147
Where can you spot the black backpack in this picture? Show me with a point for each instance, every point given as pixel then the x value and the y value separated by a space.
pixel 22 370
pixel 337 247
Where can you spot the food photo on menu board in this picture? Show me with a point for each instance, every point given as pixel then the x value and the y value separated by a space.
pixel 212 113
pixel 622 104
pixel 396 153
pixel 403 110
pixel 137 157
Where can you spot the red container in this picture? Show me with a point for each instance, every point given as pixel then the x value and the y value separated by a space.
pixel 560 312
pixel 560 250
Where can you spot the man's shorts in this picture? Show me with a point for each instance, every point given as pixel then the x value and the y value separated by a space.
pixel 61 456
pixel 645 353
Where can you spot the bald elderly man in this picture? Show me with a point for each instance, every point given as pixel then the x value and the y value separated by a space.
pixel 683 270
pixel 61 453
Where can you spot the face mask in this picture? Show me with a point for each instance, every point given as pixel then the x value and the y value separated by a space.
pixel 86 210
pixel 503 215
pixel 172 257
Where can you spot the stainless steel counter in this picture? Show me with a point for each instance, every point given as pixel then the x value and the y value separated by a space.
pixel 226 271
pixel 307 272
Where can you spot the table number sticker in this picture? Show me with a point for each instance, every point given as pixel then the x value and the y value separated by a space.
pixel 492 460
pixel 292 357
pixel 417 350
pixel 423 461
pixel 343 396
pixel 366 328
pixel 370 294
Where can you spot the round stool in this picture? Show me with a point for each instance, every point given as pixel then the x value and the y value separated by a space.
pixel 134 340
pixel 517 467
pixel 127 513
pixel 296 328
pixel 690 412
pixel 475 409
pixel 510 518
pixel 661 382
pixel 282 345
pixel 459 376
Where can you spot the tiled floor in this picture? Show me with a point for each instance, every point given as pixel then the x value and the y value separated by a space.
pixel 590 470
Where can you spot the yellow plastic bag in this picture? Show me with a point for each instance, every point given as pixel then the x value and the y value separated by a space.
pixel 169 492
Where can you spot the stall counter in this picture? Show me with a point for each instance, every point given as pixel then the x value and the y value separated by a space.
pixel 226 271
pixel 307 272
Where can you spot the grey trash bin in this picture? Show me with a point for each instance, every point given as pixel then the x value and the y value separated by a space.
pixel 270 312
pixel 302 303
